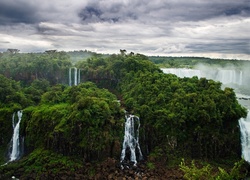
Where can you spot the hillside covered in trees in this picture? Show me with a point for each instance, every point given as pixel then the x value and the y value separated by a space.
pixel 191 62
pixel 70 131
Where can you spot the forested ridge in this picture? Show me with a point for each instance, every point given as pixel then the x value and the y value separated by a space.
pixel 191 62
pixel 71 128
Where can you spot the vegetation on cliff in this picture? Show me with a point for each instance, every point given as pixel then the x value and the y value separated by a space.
pixel 180 117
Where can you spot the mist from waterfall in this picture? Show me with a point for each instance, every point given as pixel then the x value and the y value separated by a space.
pixel 230 76
pixel 226 76
pixel 131 139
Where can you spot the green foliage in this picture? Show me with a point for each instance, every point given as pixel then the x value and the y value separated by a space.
pixel 206 172
pixel 194 173
pixel 189 62
pixel 175 112
pixel 191 116
pixel 26 67
pixel 150 165
pixel 36 90
pixel 179 116
pixel 11 93
pixel 82 120
pixel 43 162
pixel 108 72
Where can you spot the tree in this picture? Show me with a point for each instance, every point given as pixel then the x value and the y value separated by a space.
pixel 13 51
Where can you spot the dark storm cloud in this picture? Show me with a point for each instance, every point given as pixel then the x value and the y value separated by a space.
pixel 244 11
pixel 12 12
pixel 102 12
pixel 145 10
pixel 90 12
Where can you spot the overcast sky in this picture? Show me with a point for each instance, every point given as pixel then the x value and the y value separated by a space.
pixel 209 28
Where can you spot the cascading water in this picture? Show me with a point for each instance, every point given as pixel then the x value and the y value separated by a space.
pixel 131 139
pixel 244 124
pixel 70 83
pixel 15 141
pixel 76 76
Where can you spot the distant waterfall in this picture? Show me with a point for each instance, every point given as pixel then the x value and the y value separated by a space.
pixel 16 143
pixel 75 77
pixel 245 137
pixel 70 83
pixel 131 139
pixel 226 76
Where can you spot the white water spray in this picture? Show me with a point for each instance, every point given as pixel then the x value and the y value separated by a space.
pixel 131 138
pixel 16 148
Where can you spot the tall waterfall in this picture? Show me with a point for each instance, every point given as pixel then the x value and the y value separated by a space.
pixel 76 76
pixel 131 139
pixel 15 141
pixel 245 136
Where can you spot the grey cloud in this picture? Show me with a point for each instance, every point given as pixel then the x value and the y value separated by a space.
pixel 171 11
pixel 235 47
pixel 46 30
pixel 144 26
pixel 17 12
pixel 4 42
pixel 98 12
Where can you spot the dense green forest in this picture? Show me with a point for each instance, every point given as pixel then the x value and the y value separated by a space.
pixel 191 62
pixel 67 128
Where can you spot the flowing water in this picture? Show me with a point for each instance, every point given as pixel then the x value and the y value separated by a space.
pixel 244 124
pixel 131 139
pixel 16 140
pixel 75 77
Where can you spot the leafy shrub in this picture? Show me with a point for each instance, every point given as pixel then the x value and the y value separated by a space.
pixel 192 172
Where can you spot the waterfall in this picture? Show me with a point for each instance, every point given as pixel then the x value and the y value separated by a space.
pixel 241 78
pixel 15 141
pixel 226 76
pixel 76 76
pixel 70 77
pixel 244 124
pixel 131 138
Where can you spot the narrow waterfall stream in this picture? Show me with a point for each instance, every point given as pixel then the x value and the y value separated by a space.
pixel 131 139
pixel 15 141
pixel 244 124
pixel 75 76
